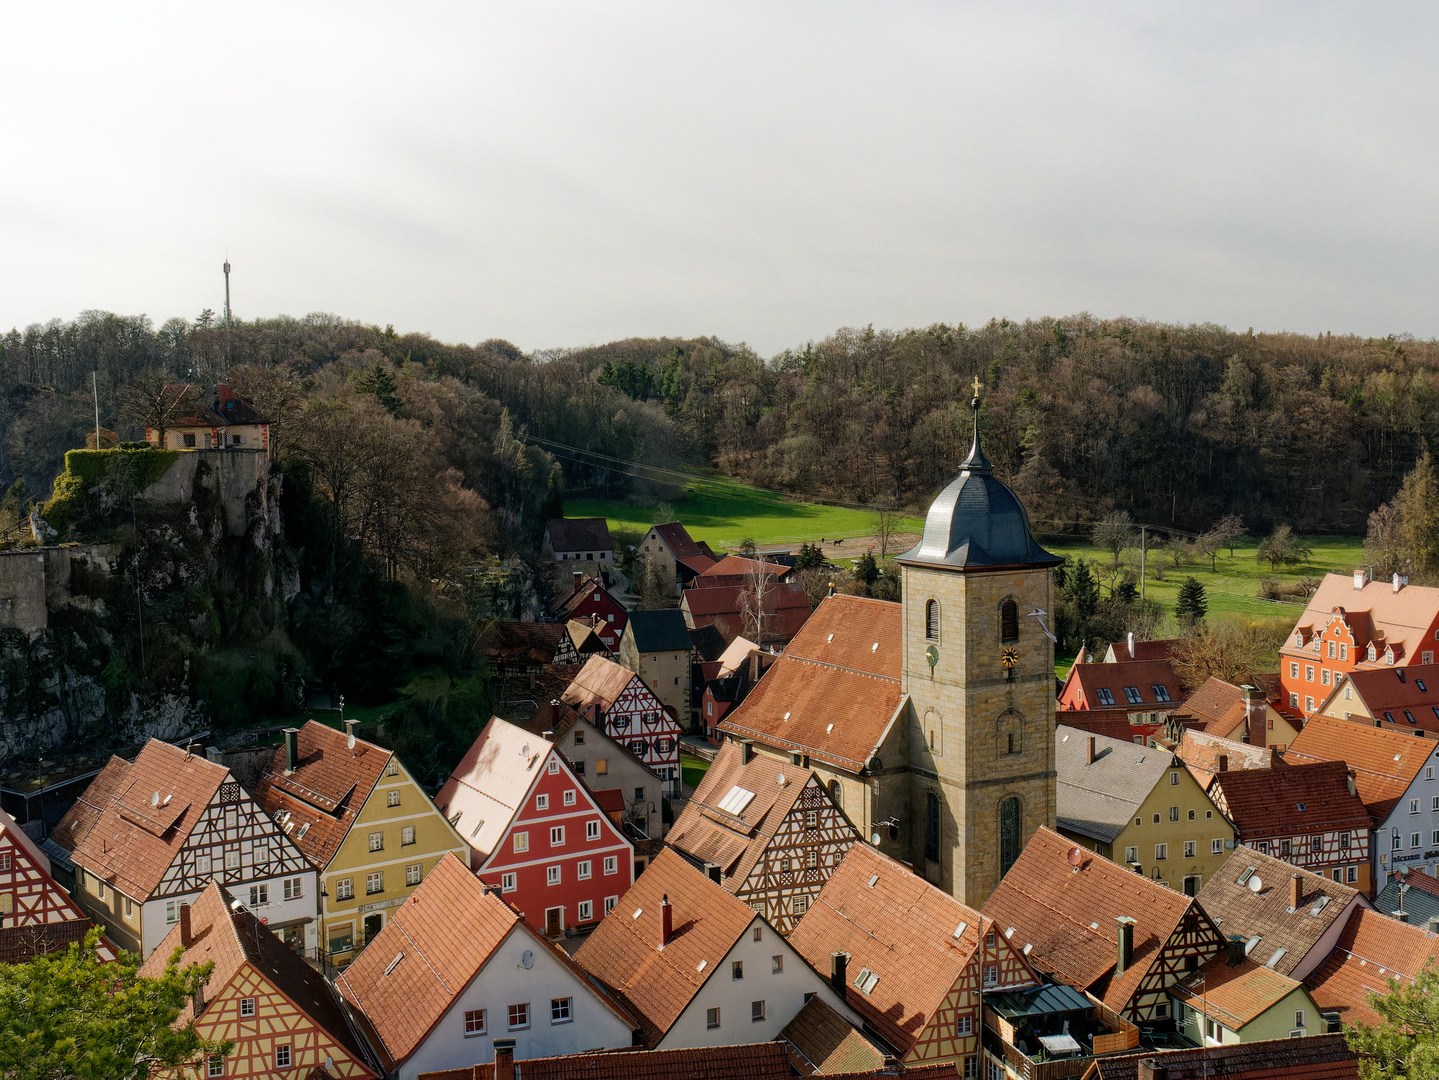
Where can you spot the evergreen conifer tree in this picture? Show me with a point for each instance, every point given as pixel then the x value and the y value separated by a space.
pixel 1193 604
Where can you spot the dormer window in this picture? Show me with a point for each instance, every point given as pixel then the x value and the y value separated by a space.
pixel 1106 697
pixel 1371 654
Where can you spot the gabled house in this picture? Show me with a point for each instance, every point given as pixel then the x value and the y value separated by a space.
pixel 582 539
pixel 1101 928
pixel 912 960
pixel 696 966
pixel 1122 700
pixel 656 646
pixel 37 916
pixel 740 570
pixel 280 1013
pixel 1233 999
pixel 671 558
pixel 148 836
pixel 820 1040
pixel 1394 775
pixel 1204 755
pixel 535 831
pixel 1323 1057
pixel 1124 652
pixel 456 971
pixel 526 649
pixel 766 831
pixel 770 612
pixel 1355 623
pixel 591 602
pixel 1239 713
pixel 1306 814
pixel 1395 698
pixel 361 820
pixel 226 422
pixel 1139 806
pixel 1373 950
pixel 727 680
pixel 620 703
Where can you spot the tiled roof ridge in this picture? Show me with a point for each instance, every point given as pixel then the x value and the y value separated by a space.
pixel 421 952
pixel 840 667
pixel 1085 927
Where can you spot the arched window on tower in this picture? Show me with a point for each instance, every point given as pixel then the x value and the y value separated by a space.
pixel 836 795
pixel 931 620
pixel 1009 621
pixel 931 827
pixel 1008 834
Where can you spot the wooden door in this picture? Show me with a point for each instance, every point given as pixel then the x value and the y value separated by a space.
pixel 554 925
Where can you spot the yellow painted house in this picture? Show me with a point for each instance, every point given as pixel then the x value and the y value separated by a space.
pixel 358 815
pixel 1139 806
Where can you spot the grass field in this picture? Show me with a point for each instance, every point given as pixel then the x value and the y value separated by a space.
pixel 692 770
pixel 724 512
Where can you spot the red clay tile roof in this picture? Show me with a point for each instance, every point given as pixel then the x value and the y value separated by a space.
pixel 1228 900
pixel 1234 995
pixel 1201 752
pixel 579 534
pixel 755 1061
pixel 737 842
pixel 600 682
pixel 19 944
pixel 821 1040
pixel 1139 675
pixel 739 568
pixel 658 984
pixel 786 608
pixel 944 1071
pixel 442 937
pixel 1376 613
pixel 902 928
pixel 679 541
pixel 1385 763
pixel 1158 649
pixel 77 822
pixel 834 692
pixel 1291 800
pixel 234 938
pixel 582 592
pixel 1398 688
pixel 1214 702
pixel 1318 1057
pixel 326 791
pixel 134 839
pixel 1069 916
pixel 1372 950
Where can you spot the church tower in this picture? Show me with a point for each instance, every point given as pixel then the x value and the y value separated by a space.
pixel 979 671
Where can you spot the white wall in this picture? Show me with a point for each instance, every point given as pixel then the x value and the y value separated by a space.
pixel 783 995
pixel 503 982
pixel 1424 823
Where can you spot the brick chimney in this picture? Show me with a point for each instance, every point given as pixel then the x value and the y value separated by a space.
pixel 577 576
pixel 185 935
pixel 838 972
pixel 1296 890
pixel 504 1059
pixel 1090 754
pixel 1124 945
pixel 1223 763
pixel 667 920
pixel 1152 1069
pixel 292 749
pixel 1256 716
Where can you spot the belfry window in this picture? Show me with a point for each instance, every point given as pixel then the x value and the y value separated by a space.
pixel 1008 834
pixel 1009 621
pixel 931 827
pixel 931 620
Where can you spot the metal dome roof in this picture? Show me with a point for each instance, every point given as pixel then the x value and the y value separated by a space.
pixel 977 522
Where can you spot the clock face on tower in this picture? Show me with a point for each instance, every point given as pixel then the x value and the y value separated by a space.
pixel 1009 657
pixel 932 655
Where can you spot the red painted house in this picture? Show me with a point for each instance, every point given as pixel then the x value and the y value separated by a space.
pixel 1355 624
pixel 37 915
pixel 590 600
pixel 535 830
pixel 618 702
pixel 1122 700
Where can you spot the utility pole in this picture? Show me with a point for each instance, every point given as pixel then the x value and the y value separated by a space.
pixel 227 315
pixel 1143 551
pixel 95 386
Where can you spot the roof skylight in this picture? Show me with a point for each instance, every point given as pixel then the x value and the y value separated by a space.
pixel 736 800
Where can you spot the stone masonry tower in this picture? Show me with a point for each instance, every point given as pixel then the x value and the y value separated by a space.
pixel 979 672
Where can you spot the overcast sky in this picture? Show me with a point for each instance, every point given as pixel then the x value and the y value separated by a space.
pixel 568 174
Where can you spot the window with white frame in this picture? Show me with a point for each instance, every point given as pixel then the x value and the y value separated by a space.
pixel 519 1016
pixel 756 1011
pixel 582 870
pixel 552 875
pixel 345 889
pixel 963 1025
pixel 475 1022
pixel 570 797
pixel 1189 849
pixel 1131 854
pixel 553 766
pixel 560 1010
pixel 393 768
pixel 232 858
pixel 592 830
pixel 375 883
pixel 393 797
pixel 507 882
pixel 247 1006
pixel 259 894
pixel 282 1056
pixel 215 1066
pixel 294 888
pixel 1161 851
pixel 612 864
pixel 610 902
pixel 712 1019
pixel 522 842
pixel 1216 847
pixel 542 802
pixel 412 874
pixel 587 910
pixel 172 911
pixel 557 836
pixel 377 841
pixel 407 836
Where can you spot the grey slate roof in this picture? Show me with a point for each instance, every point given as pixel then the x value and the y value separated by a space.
pixel 660 631
pixel 1421 900
pixel 1097 799
pixel 579 534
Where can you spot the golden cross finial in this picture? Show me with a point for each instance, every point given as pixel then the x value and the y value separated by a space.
pixel 978 386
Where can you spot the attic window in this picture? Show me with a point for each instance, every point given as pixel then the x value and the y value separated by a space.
pixel 736 800
pixel 829 639
pixel 872 880
pixel 476 830
pixel 1248 872
pixel 638 912
pixel 960 929
pixel 1320 906
pixel 1106 697
pixel 1252 944
pixel 394 963
pixel 874 647
pixel 303 830
pixel 1278 956
pixel 1300 807
pixel 866 981
pixel 1422 688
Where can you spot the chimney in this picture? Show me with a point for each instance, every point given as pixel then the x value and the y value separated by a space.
pixel 292 749
pixel 1223 762
pixel 349 733
pixel 1090 755
pixel 185 936
pixel 1236 948
pixel 1434 924
pixel 712 871
pixel 578 577
pixel 1131 644
pixel 1296 890
pixel 554 714
pixel 1399 581
pixel 1151 1069
pixel 1402 916
pixel 505 1059
pixel 746 751
pixel 1349 779
pixel 1256 720
pixel 667 920
pixel 838 969
pixel 1360 580
pixel 1125 945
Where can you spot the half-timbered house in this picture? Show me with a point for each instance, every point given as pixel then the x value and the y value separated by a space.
pixel 618 701
pixel 148 836
pixel 766 831
pixel 1101 928
pixel 362 821
pixel 912 960
pixel 590 601
pixel 279 1012
pixel 1307 814
pixel 696 966
pixel 37 916
pixel 535 830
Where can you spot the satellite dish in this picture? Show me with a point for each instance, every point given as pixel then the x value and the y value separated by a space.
pixel 1075 857
pixel 874 839
pixel 527 959
pixel 1254 883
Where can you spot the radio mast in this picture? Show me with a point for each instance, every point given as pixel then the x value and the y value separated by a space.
pixel 227 315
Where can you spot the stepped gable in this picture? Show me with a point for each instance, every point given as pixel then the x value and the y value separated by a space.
pixel 834 693
pixel 1384 762
pixel 327 788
